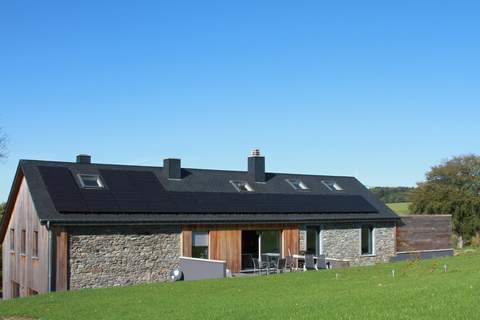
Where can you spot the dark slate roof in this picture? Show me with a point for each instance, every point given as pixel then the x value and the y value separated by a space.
pixel 141 194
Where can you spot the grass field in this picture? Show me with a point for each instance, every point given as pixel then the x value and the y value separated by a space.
pixel 419 290
pixel 400 208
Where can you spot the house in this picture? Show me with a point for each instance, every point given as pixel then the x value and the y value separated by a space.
pixel 72 225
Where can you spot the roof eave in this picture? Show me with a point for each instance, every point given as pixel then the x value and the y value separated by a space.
pixel 11 201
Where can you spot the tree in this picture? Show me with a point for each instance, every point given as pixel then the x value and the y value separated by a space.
pixel 392 194
pixel 453 187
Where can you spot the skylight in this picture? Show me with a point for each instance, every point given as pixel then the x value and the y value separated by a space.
pixel 90 181
pixel 241 186
pixel 297 184
pixel 332 185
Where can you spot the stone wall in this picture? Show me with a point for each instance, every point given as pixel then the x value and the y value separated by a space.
pixel 106 257
pixel 343 241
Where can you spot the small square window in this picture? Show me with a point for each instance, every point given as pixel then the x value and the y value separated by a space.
pixel 90 181
pixel 241 186
pixel 200 244
pixel 32 292
pixel 297 184
pixel 332 185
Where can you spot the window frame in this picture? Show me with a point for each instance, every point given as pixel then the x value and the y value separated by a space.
pixel 12 239
pixel 371 240
pixel 15 289
pixel 32 292
pixel 292 183
pixel 318 237
pixel 194 246
pixel 98 179
pixel 235 183
pixel 35 244
pixel 335 187
pixel 23 242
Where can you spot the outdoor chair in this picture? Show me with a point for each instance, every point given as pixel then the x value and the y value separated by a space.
pixel 321 262
pixel 290 263
pixel 259 266
pixel 309 263
pixel 281 265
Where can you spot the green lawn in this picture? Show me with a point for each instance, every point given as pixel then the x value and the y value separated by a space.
pixel 420 290
pixel 400 208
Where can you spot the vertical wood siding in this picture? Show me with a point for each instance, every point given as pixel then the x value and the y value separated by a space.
pixel 290 241
pixel 62 260
pixel 227 245
pixel 424 232
pixel 225 241
pixel 187 242
pixel 28 271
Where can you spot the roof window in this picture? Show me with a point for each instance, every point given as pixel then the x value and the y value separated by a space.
pixel 241 186
pixel 297 184
pixel 332 185
pixel 90 181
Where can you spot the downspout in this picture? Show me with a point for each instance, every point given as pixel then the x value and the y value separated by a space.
pixel 51 286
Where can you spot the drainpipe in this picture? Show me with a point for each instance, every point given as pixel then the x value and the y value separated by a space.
pixel 51 248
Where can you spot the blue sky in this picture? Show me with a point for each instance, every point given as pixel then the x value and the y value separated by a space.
pixel 375 89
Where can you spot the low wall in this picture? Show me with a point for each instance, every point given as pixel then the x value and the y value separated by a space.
pixel 424 232
pixel 195 269
pixel 428 254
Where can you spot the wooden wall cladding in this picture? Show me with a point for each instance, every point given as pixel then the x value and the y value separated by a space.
pixel 186 242
pixel 62 260
pixel 424 232
pixel 226 245
pixel 29 271
pixel 225 241
pixel 290 241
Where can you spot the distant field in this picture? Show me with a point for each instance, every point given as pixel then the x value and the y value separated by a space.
pixel 400 208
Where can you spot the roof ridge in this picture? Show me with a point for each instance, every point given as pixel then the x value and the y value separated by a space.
pixel 34 161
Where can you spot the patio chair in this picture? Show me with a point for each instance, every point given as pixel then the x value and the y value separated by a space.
pixel 281 265
pixel 259 266
pixel 321 262
pixel 290 263
pixel 309 263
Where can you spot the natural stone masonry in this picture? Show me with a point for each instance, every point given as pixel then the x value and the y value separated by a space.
pixel 106 257
pixel 343 241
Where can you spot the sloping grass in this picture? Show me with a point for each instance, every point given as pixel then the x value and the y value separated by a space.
pixel 419 290
pixel 401 208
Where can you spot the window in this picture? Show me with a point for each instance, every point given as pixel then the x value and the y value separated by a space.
pixel 332 185
pixel 15 290
pixel 241 186
pixel 32 292
pixel 270 242
pixel 35 244
pixel 312 240
pixel 23 242
pixel 92 181
pixel 12 239
pixel 297 184
pixel 367 240
pixel 200 244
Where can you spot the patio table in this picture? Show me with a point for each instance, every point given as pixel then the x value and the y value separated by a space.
pixel 299 257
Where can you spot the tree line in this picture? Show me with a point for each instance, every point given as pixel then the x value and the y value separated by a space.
pixel 393 194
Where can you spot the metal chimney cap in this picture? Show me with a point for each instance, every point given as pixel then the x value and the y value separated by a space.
pixel 256 153
pixel 84 158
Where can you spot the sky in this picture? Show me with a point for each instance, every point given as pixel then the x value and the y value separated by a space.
pixel 380 90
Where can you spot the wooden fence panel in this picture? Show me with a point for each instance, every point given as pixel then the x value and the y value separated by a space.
pixel 424 232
